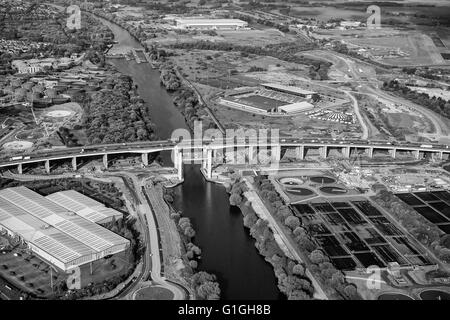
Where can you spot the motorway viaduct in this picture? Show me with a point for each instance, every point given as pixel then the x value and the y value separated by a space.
pixel 182 152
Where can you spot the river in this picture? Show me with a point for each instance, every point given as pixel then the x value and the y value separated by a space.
pixel 228 251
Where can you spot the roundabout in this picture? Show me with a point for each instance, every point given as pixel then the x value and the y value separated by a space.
pixel 154 293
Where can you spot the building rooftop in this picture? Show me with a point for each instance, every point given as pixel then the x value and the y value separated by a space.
pixel 90 234
pixel 84 206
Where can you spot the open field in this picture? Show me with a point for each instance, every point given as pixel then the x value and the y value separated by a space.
pixel 419 49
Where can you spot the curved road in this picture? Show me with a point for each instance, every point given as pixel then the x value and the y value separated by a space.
pixel 152 256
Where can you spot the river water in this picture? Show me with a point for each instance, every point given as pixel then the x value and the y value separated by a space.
pixel 228 251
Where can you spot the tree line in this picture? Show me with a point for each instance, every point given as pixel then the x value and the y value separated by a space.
pixel 438 105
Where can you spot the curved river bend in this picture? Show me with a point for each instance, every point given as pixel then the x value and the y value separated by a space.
pixel 227 249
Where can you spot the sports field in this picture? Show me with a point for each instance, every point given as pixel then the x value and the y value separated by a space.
pixel 261 102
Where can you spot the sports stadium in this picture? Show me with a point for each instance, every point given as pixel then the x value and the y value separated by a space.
pixel 55 233
pixel 272 99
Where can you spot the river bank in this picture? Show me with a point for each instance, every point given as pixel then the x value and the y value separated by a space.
pixel 228 251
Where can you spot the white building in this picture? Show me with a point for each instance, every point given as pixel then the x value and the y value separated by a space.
pixel 57 235
pixel 210 24
pixel 350 24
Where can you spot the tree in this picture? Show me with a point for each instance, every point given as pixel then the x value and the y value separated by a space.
pixel 298 270
pixel 317 257
pixel 292 222
pixel 235 199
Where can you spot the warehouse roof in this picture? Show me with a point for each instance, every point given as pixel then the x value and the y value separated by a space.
pixel 35 231
pixel 87 232
pixel 84 206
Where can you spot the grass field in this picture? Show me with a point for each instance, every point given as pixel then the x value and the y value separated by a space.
pixel 420 49
pixel 261 102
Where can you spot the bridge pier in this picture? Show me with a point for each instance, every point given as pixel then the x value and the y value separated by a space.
pixel 145 159
pixel 105 161
pixel 346 152
pixel 370 152
pixel 251 154
pixel 323 151
pixel 74 164
pixel 47 166
pixel 393 153
pixel 20 168
pixel 300 153
pixel 209 163
pixel 416 154
pixel 180 166
pixel 276 152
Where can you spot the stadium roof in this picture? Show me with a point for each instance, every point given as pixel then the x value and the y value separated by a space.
pixel 296 107
pixel 83 206
pixel 292 89
pixel 87 232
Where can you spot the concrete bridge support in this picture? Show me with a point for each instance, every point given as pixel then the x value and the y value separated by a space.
pixel 251 155
pixel 393 153
pixel 145 159
pixel 209 163
pixel 180 166
pixel 47 166
pixel 20 168
pixel 74 164
pixel 105 161
pixel 276 153
pixel 323 151
pixel 416 154
pixel 369 152
pixel 178 162
pixel 300 153
pixel 346 152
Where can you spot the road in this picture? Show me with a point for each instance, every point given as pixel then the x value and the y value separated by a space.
pixel 152 256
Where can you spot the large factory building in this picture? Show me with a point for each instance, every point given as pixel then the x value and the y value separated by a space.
pixel 57 234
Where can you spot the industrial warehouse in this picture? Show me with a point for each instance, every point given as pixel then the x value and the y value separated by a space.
pixel 58 234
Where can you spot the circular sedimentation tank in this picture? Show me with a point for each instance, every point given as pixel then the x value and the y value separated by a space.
pixel 333 190
pixel 300 191
pixel 394 296
pixel 434 295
